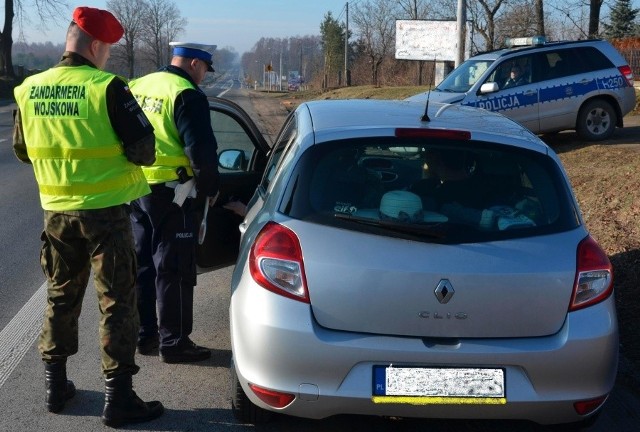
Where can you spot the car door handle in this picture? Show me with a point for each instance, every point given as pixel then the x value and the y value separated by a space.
pixel 530 92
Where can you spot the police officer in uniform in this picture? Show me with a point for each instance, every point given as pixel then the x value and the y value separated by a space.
pixel 164 230
pixel 516 78
pixel 86 137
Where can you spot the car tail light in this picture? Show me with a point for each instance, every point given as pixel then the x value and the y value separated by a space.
pixel 589 406
pixel 433 133
pixel 276 263
pixel 594 275
pixel 272 398
pixel 627 73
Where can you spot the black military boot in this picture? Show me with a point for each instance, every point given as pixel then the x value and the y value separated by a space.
pixel 59 388
pixel 122 405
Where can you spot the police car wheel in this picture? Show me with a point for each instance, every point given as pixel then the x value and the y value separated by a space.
pixel 596 121
pixel 243 409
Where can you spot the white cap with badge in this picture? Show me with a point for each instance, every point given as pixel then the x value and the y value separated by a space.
pixel 194 50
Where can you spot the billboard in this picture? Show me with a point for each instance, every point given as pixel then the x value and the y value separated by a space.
pixel 429 40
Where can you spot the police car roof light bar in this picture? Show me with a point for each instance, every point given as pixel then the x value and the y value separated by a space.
pixel 525 41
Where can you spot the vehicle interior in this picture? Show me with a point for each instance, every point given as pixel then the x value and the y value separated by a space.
pixel 481 190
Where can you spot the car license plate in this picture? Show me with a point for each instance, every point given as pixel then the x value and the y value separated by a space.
pixel 438 385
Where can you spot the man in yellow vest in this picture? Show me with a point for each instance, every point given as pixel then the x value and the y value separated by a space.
pixel 86 137
pixel 164 225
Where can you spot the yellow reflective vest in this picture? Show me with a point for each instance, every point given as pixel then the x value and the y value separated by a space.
pixel 156 94
pixel 77 158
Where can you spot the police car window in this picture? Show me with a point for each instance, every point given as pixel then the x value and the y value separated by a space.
pixel 230 134
pixel 503 73
pixel 462 78
pixel 593 59
pixel 564 63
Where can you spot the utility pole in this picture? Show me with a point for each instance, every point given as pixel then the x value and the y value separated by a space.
pixel 462 26
pixel 280 71
pixel 346 46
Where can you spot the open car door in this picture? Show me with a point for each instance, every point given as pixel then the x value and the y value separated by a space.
pixel 242 157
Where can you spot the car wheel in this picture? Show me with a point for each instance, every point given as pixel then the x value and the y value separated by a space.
pixel 243 409
pixel 596 120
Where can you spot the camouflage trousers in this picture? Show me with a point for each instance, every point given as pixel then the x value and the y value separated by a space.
pixel 76 242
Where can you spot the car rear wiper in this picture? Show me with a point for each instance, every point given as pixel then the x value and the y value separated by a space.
pixel 431 230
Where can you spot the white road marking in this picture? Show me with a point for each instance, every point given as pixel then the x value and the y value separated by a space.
pixel 16 338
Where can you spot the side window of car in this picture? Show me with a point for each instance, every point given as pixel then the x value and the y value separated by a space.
pixel 593 59
pixel 286 137
pixel 564 62
pixel 513 72
pixel 231 135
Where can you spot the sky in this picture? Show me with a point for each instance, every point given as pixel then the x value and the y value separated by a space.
pixel 225 23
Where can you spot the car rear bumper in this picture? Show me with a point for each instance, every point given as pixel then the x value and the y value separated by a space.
pixel 278 345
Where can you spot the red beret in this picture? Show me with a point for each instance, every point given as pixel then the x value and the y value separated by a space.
pixel 98 23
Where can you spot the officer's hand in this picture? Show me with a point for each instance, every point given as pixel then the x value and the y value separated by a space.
pixel 237 207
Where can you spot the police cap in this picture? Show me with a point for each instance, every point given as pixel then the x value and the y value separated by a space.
pixel 99 24
pixel 195 50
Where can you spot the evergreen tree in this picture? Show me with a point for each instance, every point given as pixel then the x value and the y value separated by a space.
pixel 622 22
pixel 332 35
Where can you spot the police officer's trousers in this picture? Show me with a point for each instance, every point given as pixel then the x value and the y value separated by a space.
pixel 165 246
pixel 74 243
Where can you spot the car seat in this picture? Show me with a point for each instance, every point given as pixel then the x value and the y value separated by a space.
pixel 339 184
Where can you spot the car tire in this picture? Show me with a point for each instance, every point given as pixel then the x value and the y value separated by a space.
pixel 596 120
pixel 243 409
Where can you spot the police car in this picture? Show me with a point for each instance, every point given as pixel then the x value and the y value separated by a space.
pixel 586 86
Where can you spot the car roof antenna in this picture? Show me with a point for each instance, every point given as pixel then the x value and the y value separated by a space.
pixel 425 117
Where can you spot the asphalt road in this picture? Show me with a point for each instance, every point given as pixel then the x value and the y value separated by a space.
pixel 196 396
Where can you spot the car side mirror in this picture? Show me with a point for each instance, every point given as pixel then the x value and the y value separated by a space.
pixel 490 87
pixel 232 159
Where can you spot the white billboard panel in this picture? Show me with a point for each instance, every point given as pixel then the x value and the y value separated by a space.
pixel 429 40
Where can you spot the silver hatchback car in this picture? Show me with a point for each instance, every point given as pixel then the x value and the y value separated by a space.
pixel 397 261
pixel 586 86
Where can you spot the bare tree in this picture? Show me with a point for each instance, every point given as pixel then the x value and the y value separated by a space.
pixel 539 7
pixel 46 10
pixel 517 20
pixel 131 14
pixel 577 19
pixel 6 41
pixel 162 25
pixel 484 14
pixel 376 25
pixel 594 18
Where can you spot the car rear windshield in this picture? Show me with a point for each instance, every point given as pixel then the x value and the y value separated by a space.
pixel 449 191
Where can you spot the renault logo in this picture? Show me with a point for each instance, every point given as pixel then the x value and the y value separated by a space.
pixel 444 291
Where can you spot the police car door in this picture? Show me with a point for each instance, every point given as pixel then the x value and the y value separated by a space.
pixel 563 87
pixel 242 156
pixel 517 101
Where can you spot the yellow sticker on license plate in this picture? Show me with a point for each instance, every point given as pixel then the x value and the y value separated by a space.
pixel 429 386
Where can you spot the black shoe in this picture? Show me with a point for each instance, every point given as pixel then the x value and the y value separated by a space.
pixel 147 345
pixel 184 353
pixel 123 406
pixel 59 388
